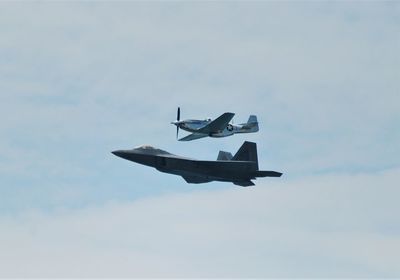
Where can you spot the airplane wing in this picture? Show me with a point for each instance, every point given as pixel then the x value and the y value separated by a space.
pixel 193 136
pixel 217 125
pixel 195 179
pixel 244 183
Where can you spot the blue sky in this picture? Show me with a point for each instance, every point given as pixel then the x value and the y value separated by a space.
pixel 78 80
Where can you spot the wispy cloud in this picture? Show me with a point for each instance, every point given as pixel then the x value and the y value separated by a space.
pixel 325 226
pixel 78 80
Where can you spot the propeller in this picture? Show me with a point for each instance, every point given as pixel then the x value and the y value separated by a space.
pixel 178 117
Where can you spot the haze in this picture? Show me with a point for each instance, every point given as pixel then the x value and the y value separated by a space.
pixel 79 80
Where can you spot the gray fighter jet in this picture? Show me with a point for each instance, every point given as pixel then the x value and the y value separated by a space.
pixel 239 169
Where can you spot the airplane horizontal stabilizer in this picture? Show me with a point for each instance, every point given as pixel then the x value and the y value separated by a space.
pixel 267 174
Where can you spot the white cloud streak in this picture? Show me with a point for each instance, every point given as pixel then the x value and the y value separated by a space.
pixel 316 227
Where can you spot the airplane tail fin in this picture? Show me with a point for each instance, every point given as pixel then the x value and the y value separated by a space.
pixel 252 119
pixel 247 152
pixel 252 124
pixel 224 156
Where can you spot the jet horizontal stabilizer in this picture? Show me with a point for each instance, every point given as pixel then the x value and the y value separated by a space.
pixel 267 174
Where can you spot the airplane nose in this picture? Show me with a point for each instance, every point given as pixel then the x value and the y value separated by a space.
pixel 118 153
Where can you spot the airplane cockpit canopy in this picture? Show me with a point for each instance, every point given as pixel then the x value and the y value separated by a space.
pixel 144 147
pixel 150 149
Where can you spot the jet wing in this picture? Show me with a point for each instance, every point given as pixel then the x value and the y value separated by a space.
pixel 195 179
pixel 224 155
pixel 217 125
pixel 244 183
pixel 193 136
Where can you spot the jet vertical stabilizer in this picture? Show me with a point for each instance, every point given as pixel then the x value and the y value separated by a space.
pixel 247 152
pixel 224 155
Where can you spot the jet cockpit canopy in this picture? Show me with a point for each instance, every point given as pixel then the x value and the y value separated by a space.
pixel 150 150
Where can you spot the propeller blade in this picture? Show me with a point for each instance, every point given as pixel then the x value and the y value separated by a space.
pixel 178 117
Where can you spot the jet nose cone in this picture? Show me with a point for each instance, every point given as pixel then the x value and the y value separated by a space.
pixel 118 153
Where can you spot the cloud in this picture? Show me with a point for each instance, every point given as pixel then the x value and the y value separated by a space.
pixel 78 80
pixel 324 226
pixel 324 79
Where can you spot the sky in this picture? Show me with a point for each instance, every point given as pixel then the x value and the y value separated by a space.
pixel 81 79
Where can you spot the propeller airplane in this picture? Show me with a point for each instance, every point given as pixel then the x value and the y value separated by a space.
pixel 220 127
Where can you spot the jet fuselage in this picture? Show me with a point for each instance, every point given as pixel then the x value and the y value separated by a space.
pixel 240 172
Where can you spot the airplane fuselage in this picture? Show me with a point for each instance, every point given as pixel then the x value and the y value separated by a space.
pixel 236 170
pixel 227 171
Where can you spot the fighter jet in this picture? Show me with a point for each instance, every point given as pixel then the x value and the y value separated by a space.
pixel 239 169
pixel 220 127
